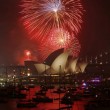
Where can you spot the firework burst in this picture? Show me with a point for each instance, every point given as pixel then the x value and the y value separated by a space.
pixel 59 38
pixel 41 16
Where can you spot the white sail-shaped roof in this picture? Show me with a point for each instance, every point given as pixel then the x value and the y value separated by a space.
pixel 41 67
pixel 50 71
pixel 80 67
pixel 72 64
pixel 60 62
pixel 77 69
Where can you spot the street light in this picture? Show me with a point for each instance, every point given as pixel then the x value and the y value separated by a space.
pixel 28 74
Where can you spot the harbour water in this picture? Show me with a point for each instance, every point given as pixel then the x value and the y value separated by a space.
pixel 11 104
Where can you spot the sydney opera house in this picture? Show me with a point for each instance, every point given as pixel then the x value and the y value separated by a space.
pixel 62 64
pixel 59 63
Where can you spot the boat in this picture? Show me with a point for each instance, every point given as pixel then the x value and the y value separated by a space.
pixel 40 92
pixel 43 99
pixel 67 99
pixel 26 104
pixel 60 90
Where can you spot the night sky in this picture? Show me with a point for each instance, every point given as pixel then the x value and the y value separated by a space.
pixel 94 36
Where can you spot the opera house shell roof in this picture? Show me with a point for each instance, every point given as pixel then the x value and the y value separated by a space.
pixel 63 63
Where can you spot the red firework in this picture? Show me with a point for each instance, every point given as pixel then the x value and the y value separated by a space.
pixel 59 39
pixel 39 17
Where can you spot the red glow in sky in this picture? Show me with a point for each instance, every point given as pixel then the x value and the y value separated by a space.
pixel 27 54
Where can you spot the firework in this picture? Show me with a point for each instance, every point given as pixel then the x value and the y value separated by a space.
pixel 59 38
pixel 41 16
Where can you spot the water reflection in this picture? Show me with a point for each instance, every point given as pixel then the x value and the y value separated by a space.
pixel 11 105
